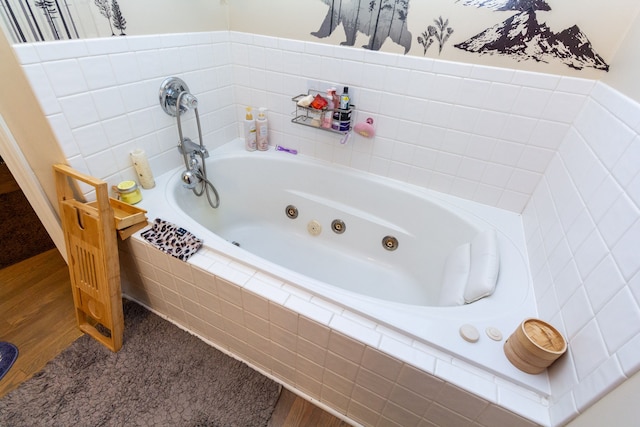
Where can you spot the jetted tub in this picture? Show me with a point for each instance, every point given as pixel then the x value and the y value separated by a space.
pixel 398 289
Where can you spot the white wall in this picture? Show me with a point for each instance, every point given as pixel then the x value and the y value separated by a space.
pixel 82 19
pixel 624 76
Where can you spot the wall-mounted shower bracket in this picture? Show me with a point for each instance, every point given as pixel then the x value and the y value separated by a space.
pixel 170 89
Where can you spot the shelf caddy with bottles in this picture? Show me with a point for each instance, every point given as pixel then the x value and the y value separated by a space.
pixel 312 117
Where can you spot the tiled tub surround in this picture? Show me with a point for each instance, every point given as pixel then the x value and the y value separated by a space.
pixel 481 133
pixel 360 371
pixel 583 233
pixel 485 134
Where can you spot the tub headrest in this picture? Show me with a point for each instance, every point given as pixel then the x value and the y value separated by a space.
pixel 456 274
pixel 471 271
pixel 485 265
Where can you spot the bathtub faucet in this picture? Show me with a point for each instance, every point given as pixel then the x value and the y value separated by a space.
pixel 188 147
pixel 175 100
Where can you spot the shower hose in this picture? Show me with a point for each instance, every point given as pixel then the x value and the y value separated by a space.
pixel 206 186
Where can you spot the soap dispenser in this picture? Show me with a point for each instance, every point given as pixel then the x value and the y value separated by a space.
pixel 249 131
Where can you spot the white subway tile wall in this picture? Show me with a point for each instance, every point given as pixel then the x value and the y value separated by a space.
pixel 564 151
pixel 481 133
pixel 583 235
pixel 101 97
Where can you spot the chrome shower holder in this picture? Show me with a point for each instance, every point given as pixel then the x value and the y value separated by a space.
pixel 170 90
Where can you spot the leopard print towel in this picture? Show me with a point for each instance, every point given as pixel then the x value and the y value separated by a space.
pixel 171 239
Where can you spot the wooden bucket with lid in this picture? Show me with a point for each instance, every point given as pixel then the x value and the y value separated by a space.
pixel 534 346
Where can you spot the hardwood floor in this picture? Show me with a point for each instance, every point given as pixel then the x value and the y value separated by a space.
pixel 293 411
pixel 37 314
pixel 38 317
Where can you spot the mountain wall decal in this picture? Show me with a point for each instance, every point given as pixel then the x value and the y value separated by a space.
pixel 523 37
pixel 502 5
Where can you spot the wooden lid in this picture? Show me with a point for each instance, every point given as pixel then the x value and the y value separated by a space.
pixel 544 335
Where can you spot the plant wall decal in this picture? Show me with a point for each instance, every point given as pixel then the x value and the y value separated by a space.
pixel 440 32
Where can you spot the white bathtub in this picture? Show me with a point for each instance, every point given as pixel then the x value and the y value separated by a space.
pixel 397 289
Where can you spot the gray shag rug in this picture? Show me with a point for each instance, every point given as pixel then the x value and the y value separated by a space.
pixel 162 376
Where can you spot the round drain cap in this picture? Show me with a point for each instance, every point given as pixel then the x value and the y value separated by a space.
pixel 469 333
pixel 314 228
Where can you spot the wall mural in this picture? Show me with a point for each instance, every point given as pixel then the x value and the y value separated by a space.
pixel 523 37
pixel 28 21
pixel 378 19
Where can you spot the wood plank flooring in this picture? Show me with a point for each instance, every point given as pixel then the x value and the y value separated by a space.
pixel 293 411
pixel 37 314
pixel 38 317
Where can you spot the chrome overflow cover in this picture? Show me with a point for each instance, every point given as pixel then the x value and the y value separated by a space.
pixel 390 243
pixel 291 211
pixel 338 227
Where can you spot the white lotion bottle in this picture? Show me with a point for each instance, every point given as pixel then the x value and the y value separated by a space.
pixel 262 128
pixel 249 131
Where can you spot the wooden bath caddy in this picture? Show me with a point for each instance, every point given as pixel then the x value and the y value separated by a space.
pixel 92 253
pixel 127 218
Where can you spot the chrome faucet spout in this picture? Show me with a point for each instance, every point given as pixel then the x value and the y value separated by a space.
pixel 187 146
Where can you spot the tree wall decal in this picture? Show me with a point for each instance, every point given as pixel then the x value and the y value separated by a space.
pixel 118 20
pixel 50 12
pixel 73 23
pixel 15 25
pixel 105 10
pixel 64 22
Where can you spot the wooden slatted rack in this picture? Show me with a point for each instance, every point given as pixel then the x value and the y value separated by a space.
pixel 92 254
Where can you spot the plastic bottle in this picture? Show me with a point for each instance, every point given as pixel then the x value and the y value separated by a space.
pixel 262 128
pixel 335 97
pixel 327 116
pixel 344 121
pixel 345 100
pixel 249 131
